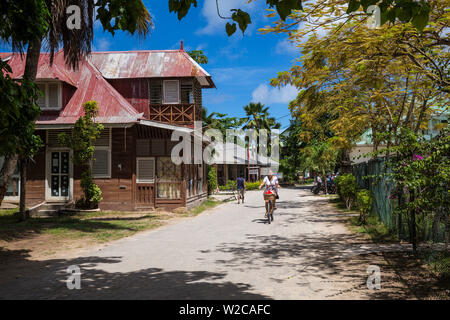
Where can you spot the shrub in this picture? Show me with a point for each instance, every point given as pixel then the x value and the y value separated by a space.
pixel 347 188
pixel 253 185
pixel 212 180
pixel 81 140
pixel 92 192
pixel 364 200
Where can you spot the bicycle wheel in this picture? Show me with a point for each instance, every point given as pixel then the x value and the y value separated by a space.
pixel 269 210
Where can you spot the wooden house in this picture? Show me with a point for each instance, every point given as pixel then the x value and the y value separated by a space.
pixel 143 96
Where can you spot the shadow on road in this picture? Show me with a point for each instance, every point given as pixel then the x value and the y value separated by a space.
pixel 27 279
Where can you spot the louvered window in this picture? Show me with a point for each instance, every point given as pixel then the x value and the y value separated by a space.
pixel 155 90
pixel 145 170
pixel 52 136
pixel 101 165
pixel 52 99
pixel 104 139
pixel 187 92
pixel 171 91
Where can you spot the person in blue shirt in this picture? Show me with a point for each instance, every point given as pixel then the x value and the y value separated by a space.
pixel 240 185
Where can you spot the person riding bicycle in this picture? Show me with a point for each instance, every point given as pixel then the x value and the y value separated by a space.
pixel 271 185
pixel 240 186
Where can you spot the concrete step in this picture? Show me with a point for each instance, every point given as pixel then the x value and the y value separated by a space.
pixel 47 210
pixel 45 213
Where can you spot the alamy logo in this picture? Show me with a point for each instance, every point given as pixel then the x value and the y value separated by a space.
pixel 374 279
pixel 374 21
pixel 74 279
pixel 238 146
pixel 74 17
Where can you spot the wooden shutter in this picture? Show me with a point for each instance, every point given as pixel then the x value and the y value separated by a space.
pixel 53 96
pixel 155 91
pixel 41 99
pixel 145 170
pixel 103 139
pixel 53 136
pixel 171 91
pixel 187 92
pixel 101 163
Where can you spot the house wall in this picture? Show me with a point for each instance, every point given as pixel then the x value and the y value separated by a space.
pixel 117 191
pixel 136 92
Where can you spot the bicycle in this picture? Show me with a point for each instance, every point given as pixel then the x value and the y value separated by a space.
pixel 269 198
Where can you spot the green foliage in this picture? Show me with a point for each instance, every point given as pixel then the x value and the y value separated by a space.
pixel 347 188
pixel 198 56
pixel 92 193
pixel 440 264
pixel 23 21
pixel 231 185
pixel 364 201
pixel 253 185
pixel 128 15
pixel 19 109
pixel 421 174
pixel 81 141
pixel 212 180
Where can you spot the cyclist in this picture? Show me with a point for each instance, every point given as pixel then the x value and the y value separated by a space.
pixel 240 184
pixel 271 184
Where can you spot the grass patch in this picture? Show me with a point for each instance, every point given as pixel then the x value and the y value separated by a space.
pixel 97 226
pixel 374 228
pixel 207 204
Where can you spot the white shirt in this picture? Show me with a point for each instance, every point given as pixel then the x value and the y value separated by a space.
pixel 270 184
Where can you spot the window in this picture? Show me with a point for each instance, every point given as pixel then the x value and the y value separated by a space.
pixel 145 170
pixel 52 99
pixel 101 166
pixel 187 93
pixel 155 90
pixel 171 91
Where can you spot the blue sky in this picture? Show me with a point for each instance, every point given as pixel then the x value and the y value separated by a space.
pixel 241 66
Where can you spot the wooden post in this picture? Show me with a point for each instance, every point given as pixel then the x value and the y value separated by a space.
pixel 155 186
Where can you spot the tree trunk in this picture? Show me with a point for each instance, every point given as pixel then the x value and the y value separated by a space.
pixel 412 227
pixel 23 179
pixel 6 173
pixel 447 231
pixel 31 65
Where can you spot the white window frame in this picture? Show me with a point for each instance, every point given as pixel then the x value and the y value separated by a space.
pixel 137 169
pixel 106 148
pixel 46 96
pixel 164 91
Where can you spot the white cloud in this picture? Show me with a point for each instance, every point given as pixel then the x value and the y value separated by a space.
pixel 286 47
pixel 102 44
pixel 266 95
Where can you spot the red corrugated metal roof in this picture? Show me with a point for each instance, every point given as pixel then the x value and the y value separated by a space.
pixel 149 64
pixel 113 108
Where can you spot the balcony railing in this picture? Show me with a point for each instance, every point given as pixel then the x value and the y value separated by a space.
pixel 174 113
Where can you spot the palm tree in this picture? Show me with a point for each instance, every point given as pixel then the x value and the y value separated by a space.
pixel 50 19
pixel 257 118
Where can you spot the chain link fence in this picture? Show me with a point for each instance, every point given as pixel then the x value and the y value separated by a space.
pixel 370 175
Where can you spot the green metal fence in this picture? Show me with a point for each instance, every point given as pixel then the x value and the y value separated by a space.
pixel 369 175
